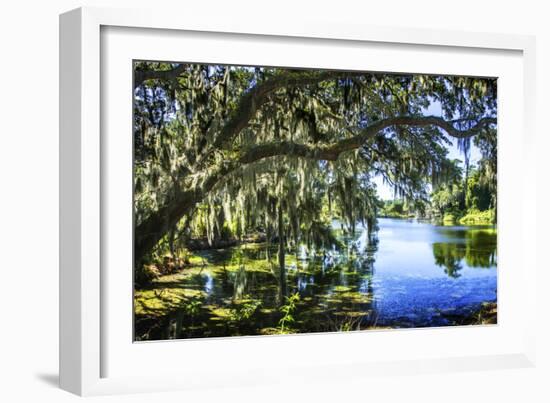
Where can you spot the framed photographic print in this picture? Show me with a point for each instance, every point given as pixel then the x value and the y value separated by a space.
pixel 252 194
pixel 278 201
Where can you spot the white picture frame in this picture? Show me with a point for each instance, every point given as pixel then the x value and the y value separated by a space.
pixel 88 333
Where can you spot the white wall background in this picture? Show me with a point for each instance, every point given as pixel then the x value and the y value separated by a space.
pixel 29 196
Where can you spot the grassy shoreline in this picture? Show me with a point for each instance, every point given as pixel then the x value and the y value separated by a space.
pixel 470 218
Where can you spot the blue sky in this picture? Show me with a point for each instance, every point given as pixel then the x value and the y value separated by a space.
pixel 385 192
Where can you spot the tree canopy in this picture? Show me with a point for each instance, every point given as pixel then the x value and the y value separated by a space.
pixel 230 148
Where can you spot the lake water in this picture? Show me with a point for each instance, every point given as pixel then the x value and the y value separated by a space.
pixel 406 274
pixel 422 270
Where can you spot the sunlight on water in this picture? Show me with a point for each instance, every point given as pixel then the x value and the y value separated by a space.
pixel 407 274
pixel 422 269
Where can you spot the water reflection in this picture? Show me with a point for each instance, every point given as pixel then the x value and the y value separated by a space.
pixel 449 256
pixel 475 247
pixel 392 279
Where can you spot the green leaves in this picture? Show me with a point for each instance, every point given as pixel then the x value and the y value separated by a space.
pixel 193 124
pixel 288 310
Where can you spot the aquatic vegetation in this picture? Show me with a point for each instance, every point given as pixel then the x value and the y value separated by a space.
pixel 245 309
pixel 236 291
pixel 161 301
pixel 288 311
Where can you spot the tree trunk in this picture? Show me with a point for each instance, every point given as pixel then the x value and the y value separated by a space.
pixel 282 271
pixel 267 240
pixel 171 243
pixel 467 165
